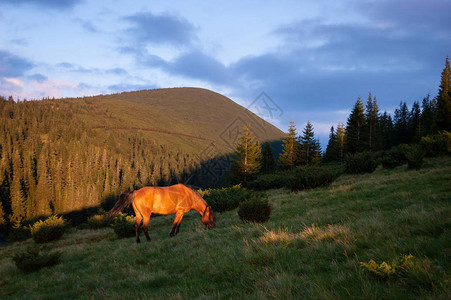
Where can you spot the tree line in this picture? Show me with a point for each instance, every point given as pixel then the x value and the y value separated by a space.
pixel 366 129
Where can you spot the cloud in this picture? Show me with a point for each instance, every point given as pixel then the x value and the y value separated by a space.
pixel 197 65
pixel 148 28
pixel 12 65
pixel 37 77
pixel 53 4
pixel 126 87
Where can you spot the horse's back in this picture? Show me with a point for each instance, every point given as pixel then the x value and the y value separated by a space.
pixel 164 200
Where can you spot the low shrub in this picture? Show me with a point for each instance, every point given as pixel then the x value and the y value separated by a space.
pixel 96 221
pixel 255 209
pixel 50 229
pixel 436 144
pixel 124 225
pixel 225 198
pixel 32 260
pixel 359 163
pixel 270 181
pixel 309 177
pixel 415 157
pixel 394 157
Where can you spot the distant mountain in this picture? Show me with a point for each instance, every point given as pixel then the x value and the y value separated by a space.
pixel 66 155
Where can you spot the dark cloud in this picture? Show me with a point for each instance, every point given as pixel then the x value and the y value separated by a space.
pixel 12 65
pixel 37 77
pixel 54 4
pixel 199 66
pixel 148 28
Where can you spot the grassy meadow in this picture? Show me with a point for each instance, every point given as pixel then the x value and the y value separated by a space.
pixel 311 248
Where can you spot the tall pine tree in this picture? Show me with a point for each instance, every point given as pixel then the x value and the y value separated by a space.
pixel 443 115
pixel 309 145
pixel 355 141
pixel 268 161
pixel 372 128
pixel 290 149
pixel 248 156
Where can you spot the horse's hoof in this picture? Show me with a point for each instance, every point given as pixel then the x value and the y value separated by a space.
pixel 138 241
pixel 171 234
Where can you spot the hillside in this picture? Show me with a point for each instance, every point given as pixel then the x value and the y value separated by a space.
pixel 67 155
pixel 191 118
pixel 311 248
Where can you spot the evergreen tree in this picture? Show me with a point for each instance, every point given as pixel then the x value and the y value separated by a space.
pixel 387 131
pixel 340 140
pixel 354 141
pixel 372 132
pixel 309 145
pixel 443 115
pixel 268 160
pixel 331 149
pixel 401 124
pixel 248 156
pixel 290 149
pixel 414 125
pixel 427 115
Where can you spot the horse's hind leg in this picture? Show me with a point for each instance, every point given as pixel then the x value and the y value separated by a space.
pixel 137 227
pixel 146 221
pixel 176 224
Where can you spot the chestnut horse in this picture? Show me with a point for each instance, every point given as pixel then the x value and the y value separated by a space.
pixel 177 199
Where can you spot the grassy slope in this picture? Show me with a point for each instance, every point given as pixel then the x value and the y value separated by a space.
pixel 191 111
pixel 377 216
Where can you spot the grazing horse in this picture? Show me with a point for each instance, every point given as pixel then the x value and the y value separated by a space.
pixel 177 199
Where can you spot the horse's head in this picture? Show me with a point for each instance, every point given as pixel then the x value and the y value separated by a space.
pixel 209 218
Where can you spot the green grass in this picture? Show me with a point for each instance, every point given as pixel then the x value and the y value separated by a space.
pixel 310 248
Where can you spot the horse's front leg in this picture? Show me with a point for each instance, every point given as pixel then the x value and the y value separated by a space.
pixel 176 224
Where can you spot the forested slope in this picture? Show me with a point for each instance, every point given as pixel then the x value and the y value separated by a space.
pixel 64 155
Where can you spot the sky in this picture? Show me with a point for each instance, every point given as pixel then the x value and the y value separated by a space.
pixel 285 60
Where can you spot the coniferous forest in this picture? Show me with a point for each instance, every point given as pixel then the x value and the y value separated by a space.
pixel 48 167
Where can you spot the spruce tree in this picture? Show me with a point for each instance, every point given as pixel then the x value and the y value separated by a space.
pixel 387 131
pixel 340 140
pixel 248 156
pixel 443 115
pixel 372 128
pixel 331 149
pixel 401 124
pixel 268 161
pixel 355 129
pixel 309 145
pixel 427 115
pixel 290 149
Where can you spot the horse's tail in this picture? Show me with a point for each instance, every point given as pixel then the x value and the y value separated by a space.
pixel 124 201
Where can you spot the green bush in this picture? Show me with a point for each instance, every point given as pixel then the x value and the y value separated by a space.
pixel 359 163
pixel 50 229
pixel 96 221
pixel 309 177
pixel 270 181
pixel 124 225
pixel 225 198
pixel 255 209
pixel 32 260
pixel 415 157
pixel 435 145
pixel 394 157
